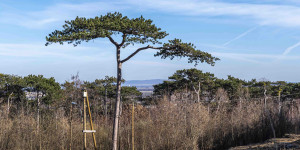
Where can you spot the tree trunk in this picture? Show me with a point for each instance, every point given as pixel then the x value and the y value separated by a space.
pixel 71 136
pixel 279 103
pixel 8 106
pixel 265 97
pixel 198 91
pixel 105 104
pixel 118 99
pixel 38 120
pixel 38 112
pixel 9 103
pixel 198 97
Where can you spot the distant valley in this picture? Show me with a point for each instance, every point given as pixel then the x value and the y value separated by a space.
pixel 144 86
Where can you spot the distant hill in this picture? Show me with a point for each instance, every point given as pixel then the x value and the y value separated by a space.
pixel 143 82
pixel 144 86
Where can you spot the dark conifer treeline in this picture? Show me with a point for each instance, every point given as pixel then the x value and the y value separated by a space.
pixel 190 80
pixel 234 112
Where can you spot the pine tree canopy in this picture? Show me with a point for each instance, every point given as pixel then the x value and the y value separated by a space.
pixel 132 31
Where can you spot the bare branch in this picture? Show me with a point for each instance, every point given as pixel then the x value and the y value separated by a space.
pixel 123 40
pixel 113 41
pixel 138 50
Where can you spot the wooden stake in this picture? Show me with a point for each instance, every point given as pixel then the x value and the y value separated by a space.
pixel 71 126
pixel 132 127
pixel 84 118
pixel 86 103
pixel 91 121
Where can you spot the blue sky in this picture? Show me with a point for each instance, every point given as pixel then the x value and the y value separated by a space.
pixel 254 39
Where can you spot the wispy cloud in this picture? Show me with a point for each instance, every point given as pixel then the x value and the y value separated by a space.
pixel 56 13
pixel 152 63
pixel 239 36
pixel 39 51
pixel 289 49
pixel 237 56
pixel 263 14
pixel 286 52
pixel 254 58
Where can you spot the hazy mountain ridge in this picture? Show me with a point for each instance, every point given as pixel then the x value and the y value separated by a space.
pixel 143 83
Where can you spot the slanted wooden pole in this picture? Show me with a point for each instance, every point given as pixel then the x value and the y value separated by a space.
pixel 91 121
pixel 71 134
pixel 132 126
pixel 279 100
pixel 84 118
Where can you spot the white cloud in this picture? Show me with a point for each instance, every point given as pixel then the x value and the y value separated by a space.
pixel 289 49
pixel 56 13
pixel 40 51
pixel 239 36
pixel 152 63
pixel 254 58
pixel 263 14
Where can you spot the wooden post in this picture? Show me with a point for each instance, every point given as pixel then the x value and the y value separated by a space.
pixel 279 101
pixel 38 120
pixel 132 126
pixel 84 118
pixel 105 105
pixel 86 103
pixel 71 126
pixel 91 121
pixel 8 106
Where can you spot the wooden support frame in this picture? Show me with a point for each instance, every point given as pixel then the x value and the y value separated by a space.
pixel 86 105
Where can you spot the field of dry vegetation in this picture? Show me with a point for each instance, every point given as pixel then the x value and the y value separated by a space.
pixel 167 125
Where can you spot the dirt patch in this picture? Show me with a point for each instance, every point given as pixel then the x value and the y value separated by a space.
pixel 289 141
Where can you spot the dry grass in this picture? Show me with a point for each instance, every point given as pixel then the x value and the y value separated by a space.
pixel 290 141
pixel 168 125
